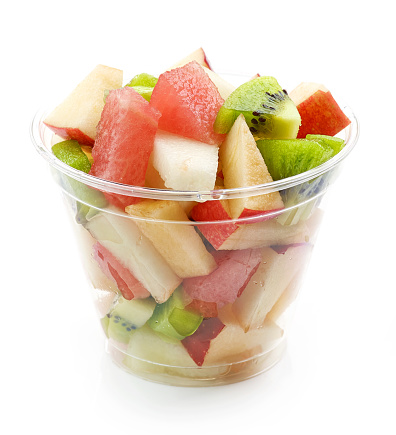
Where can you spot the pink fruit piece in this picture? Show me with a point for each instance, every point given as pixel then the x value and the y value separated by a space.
pixel 227 282
pixel 124 141
pixel 197 344
pixel 207 309
pixel 189 102
pixel 127 284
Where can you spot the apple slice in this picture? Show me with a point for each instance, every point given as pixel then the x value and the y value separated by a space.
pixel 183 163
pixel 225 88
pixel 243 166
pixel 78 115
pixel 128 244
pixel 197 55
pixel 271 279
pixel 178 243
pixel 320 113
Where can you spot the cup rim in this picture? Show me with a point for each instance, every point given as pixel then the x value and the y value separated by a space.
pixel 39 131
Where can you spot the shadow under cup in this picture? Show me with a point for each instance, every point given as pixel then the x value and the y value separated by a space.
pixel 193 303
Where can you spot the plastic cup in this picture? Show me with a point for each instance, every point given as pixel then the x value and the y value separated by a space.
pixel 233 282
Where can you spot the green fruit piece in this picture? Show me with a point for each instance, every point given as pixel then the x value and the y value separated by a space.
pixel 70 152
pixel 144 91
pixel 169 323
pixel 268 110
pixel 185 322
pixel 143 79
pixel 336 143
pixel 288 157
pixel 105 324
pixel 127 316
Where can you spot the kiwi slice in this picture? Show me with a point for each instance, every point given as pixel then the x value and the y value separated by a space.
pixel 336 143
pixel 172 320
pixel 143 84
pixel 71 153
pixel 126 317
pixel 267 108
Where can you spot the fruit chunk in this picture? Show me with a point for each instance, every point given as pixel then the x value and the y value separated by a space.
pixel 288 157
pixel 127 284
pixel 268 110
pixel 198 55
pixel 143 84
pixel 336 143
pixel 134 251
pixel 320 113
pixel 273 276
pixel 185 164
pixel 178 243
pixel 70 152
pixel 189 102
pixel 78 115
pixel 124 141
pixel 242 166
pixel 127 316
pixel 228 281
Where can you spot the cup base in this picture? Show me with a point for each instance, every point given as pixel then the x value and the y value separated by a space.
pixel 197 376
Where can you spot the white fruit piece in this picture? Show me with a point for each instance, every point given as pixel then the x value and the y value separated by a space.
pixel 178 243
pixel 130 246
pixel 305 90
pixel 149 353
pixel 271 279
pixel 183 163
pixel 135 311
pixel 225 88
pixel 243 166
pixel 78 115
pixel 198 55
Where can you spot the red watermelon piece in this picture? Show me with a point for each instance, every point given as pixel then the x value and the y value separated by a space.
pixel 227 282
pixel 127 284
pixel 197 344
pixel 124 141
pixel 189 102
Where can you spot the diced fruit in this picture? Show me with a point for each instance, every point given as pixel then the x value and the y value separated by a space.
pixel 134 251
pixel 189 102
pixel 179 244
pixel 197 345
pixel 336 143
pixel 206 309
pixel 320 113
pixel 268 110
pixel 127 284
pixel 215 233
pixel 242 166
pixel 78 115
pixel 288 157
pixel 228 281
pixel 225 89
pixel 184 321
pixel 267 233
pixel 183 163
pixel 198 55
pixel 273 276
pixel 125 140
pixel 143 84
pixel 127 316
pixel 70 152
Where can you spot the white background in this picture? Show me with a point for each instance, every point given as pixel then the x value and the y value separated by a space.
pixel 338 375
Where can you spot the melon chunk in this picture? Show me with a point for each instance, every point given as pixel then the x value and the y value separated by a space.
pixel 243 166
pixel 228 281
pixel 189 102
pixel 178 243
pixel 271 279
pixel 133 250
pixel 185 164
pixel 78 115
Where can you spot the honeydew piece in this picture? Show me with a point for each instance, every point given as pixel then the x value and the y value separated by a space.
pixel 183 163
pixel 178 243
pixel 121 236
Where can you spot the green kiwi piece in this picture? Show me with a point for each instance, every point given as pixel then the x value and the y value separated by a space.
pixel 172 320
pixel 267 108
pixel 288 157
pixel 127 316
pixel 70 152
pixel 143 79
pixel 336 143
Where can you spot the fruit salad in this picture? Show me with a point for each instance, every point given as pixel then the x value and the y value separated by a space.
pixel 196 204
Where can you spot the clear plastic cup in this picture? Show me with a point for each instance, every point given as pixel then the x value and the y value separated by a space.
pixel 233 282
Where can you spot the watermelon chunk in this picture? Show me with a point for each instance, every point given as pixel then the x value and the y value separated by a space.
pixel 124 141
pixel 227 282
pixel 189 102
pixel 127 284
